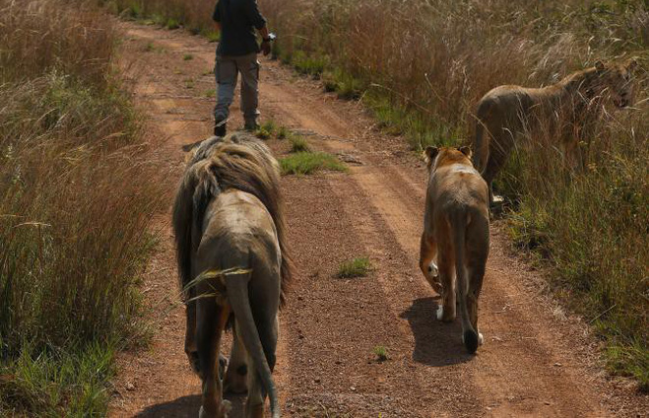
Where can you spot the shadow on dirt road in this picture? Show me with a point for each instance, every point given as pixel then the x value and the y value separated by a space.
pixel 188 406
pixel 437 344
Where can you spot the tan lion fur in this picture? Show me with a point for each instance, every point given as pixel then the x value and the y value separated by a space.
pixel 455 241
pixel 239 161
pixel 566 112
pixel 234 266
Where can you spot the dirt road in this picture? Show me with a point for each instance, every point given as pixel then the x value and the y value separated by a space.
pixel 535 361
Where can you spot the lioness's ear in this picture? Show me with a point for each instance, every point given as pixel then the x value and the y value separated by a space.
pixel 632 64
pixel 431 153
pixel 600 66
pixel 466 150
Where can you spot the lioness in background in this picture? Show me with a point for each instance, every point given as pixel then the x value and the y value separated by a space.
pixel 456 234
pixel 567 111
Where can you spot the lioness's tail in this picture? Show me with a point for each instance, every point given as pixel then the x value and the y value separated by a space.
pixel 237 290
pixel 459 221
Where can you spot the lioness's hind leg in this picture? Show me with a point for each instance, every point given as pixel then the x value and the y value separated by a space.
pixel 427 263
pixel 447 310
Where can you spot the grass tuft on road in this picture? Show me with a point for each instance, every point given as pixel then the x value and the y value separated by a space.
pixel 298 143
pixel 358 267
pixel 381 353
pixel 311 162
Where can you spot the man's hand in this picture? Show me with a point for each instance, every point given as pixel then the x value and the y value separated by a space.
pixel 265 47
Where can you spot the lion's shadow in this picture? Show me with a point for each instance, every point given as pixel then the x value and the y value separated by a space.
pixel 188 406
pixel 437 344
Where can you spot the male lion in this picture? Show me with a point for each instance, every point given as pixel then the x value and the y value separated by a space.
pixel 567 111
pixel 234 266
pixel 456 234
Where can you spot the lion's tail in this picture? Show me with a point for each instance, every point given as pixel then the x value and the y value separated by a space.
pixel 459 221
pixel 237 289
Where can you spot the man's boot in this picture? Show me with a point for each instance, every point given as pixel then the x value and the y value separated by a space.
pixel 251 126
pixel 219 128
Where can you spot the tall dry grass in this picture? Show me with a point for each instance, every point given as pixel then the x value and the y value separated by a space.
pixel 76 196
pixel 194 15
pixel 435 59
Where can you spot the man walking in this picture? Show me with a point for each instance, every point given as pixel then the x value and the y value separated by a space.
pixel 237 54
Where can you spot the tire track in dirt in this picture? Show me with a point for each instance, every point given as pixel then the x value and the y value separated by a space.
pixel 325 363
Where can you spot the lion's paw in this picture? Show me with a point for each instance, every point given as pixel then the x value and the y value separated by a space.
pixel 433 271
pixel 440 312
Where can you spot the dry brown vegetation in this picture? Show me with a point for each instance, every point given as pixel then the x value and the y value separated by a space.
pixel 74 209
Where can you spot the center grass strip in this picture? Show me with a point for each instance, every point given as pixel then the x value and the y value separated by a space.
pixel 310 162
pixel 358 267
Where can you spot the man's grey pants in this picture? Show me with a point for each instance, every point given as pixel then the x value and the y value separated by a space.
pixel 226 71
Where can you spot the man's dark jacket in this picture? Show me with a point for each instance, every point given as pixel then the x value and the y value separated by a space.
pixel 238 20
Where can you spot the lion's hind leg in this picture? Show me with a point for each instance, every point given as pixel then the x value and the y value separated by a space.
pixel 477 254
pixel 236 376
pixel 211 319
pixel 191 348
pixel 268 333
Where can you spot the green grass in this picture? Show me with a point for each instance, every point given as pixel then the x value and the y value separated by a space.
pixel 211 35
pixel 263 133
pixel 283 132
pixel 299 143
pixel 58 382
pixel 418 127
pixel 310 162
pixel 210 93
pixel 267 130
pixel 313 64
pixel 188 57
pixel 344 84
pixel 358 267
pixel 381 353
pixel 172 23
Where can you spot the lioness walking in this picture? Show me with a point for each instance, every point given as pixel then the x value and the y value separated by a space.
pixel 567 111
pixel 455 241
pixel 234 267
